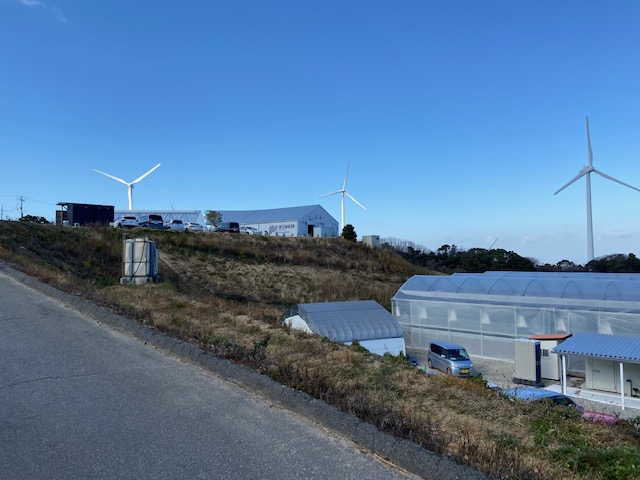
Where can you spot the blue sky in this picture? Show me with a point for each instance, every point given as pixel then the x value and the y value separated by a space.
pixel 459 119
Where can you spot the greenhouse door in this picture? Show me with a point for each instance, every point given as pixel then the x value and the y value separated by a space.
pixel 603 374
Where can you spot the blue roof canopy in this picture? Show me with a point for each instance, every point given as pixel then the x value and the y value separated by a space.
pixel 611 347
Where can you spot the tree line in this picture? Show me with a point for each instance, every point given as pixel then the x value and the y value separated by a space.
pixel 451 259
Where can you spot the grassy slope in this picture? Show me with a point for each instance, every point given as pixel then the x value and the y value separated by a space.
pixel 227 293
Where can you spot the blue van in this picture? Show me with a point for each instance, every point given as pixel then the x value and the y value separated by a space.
pixel 450 358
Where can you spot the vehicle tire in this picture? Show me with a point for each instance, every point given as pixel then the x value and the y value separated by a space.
pixel 429 364
pixel 448 371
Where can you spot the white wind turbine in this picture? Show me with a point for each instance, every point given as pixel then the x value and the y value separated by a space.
pixel 128 184
pixel 342 193
pixel 586 172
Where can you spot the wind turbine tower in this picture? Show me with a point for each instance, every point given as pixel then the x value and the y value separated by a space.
pixel 586 172
pixel 128 184
pixel 342 193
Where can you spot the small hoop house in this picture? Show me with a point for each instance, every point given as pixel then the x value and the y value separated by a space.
pixel 365 321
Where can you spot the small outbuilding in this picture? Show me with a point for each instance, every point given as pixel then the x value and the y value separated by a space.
pixel 365 321
pixel 371 240
pixel 78 214
pixel 612 362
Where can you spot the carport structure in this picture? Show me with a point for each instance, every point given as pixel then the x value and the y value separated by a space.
pixel 601 354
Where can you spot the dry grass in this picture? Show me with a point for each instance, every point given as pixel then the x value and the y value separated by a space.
pixel 227 293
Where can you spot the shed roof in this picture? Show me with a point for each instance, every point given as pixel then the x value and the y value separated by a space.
pixel 611 347
pixel 348 321
pixel 550 336
pixel 270 215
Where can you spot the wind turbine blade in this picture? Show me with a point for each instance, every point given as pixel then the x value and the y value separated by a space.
pixel 344 187
pixel 614 179
pixel 347 194
pixel 589 142
pixel 332 193
pixel 140 178
pixel 581 174
pixel 111 176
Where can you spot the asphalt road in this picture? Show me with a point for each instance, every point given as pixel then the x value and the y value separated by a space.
pixel 81 400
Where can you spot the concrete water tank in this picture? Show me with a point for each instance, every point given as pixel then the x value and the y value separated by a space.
pixel 139 261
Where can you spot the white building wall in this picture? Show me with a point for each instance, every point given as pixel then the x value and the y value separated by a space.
pixel 314 220
pixel 277 229
pixel 297 323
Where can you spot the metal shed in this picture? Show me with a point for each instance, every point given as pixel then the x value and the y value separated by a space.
pixel 604 354
pixel 365 321
pixel 77 214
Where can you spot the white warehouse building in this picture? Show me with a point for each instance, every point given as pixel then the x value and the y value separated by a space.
pixel 487 312
pixel 304 221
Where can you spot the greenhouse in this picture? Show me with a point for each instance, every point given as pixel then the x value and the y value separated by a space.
pixel 487 312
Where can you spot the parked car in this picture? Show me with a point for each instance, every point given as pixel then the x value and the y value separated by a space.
pixel 175 224
pixel 533 394
pixel 194 227
pixel 232 227
pixel 128 221
pixel 151 221
pixel 249 230
pixel 450 358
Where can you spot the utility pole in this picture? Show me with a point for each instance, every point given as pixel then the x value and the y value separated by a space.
pixel 21 203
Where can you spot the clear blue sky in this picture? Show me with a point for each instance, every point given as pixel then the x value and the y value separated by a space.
pixel 460 119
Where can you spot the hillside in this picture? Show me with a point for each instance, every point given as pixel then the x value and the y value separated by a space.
pixel 226 293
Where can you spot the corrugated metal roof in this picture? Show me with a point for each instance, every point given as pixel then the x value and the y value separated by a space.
pixel 348 321
pixel 270 215
pixel 611 347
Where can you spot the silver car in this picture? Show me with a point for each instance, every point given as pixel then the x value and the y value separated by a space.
pixel 194 227
pixel 128 221
pixel 450 358
pixel 249 230
pixel 174 225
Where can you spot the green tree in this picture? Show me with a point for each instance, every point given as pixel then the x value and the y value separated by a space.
pixel 35 219
pixel 213 217
pixel 349 233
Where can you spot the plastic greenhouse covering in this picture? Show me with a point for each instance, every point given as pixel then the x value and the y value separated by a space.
pixel 487 312
pixel 348 321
